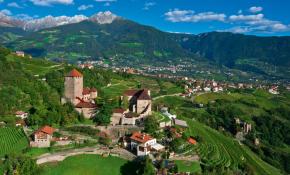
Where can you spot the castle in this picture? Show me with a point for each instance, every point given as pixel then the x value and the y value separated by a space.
pixel 82 98
pixel 139 107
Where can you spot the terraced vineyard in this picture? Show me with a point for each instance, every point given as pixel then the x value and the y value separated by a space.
pixel 218 150
pixel 12 140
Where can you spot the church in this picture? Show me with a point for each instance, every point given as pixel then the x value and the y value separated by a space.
pixel 82 98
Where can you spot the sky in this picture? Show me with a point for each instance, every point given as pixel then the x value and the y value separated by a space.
pixel 255 17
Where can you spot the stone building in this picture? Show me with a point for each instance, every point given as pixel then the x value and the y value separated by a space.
pixel 42 137
pixel 75 93
pixel 139 101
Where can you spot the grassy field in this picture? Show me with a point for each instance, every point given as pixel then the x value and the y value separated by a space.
pixel 12 140
pixel 219 150
pixel 185 166
pixel 34 152
pixel 86 165
pixel 35 66
pixel 118 86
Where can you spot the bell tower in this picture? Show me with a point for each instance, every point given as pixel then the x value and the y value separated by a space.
pixel 73 86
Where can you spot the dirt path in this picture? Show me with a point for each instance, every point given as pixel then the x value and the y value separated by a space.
pixel 60 156
pixel 169 95
pixel 186 158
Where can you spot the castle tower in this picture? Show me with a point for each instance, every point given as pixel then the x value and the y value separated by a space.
pixel 73 86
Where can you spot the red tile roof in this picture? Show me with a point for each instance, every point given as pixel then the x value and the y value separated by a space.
pixel 86 91
pixel 141 137
pixel 191 141
pixel 45 129
pixel 83 104
pixel 119 110
pixel 93 90
pixel 74 73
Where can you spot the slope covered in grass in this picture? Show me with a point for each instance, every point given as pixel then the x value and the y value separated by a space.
pixel 217 150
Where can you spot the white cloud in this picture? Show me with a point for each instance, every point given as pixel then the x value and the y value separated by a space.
pixel 242 17
pixel 85 7
pixel 190 16
pixel 255 9
pixel 147 5
pixel 241 23
pixel 14 4
pixel 51 2
pixel 5 12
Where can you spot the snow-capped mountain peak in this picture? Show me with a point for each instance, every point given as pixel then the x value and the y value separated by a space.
pixel 50 21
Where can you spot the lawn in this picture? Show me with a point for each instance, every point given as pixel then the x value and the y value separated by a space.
pixel 34 152
pixel 88 165
pixel 186 166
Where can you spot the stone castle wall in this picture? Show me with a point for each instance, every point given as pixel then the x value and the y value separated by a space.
pixel 142 105
pixel 73 88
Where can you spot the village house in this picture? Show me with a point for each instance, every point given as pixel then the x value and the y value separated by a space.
pixel 144 144
pixel 21 114
pixel 82 98
pixel 86 65
pixel 20 53
pixel 274 90
pixel 42 137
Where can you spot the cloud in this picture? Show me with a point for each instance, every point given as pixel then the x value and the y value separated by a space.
pixel 242 17
pixel 5 12
pixel 14 4
pixel 85 7
pixel 147 5
pixel 51 2
pixel 255 9
pixel 242 23
pixel 177 15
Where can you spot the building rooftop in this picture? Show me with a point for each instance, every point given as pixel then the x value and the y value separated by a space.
pixel 180 123
pixel 141 137
pixel 83 104
pixel 45 129
pixel 142 94
pixel 74 73
pixel 119 110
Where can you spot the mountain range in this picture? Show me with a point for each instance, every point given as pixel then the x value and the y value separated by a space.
pixel 110 36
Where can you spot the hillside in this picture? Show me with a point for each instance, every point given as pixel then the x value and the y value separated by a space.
pixel 132 44
pixel 121 39
pixel 262 55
